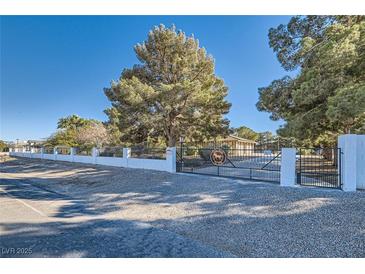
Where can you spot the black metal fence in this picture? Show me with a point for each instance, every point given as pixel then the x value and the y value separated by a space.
pixel 63 150
pixel 319 167
pixel 111 152
pixel 48 150
pixel 83 151
pixel 148 153
pixel 252 164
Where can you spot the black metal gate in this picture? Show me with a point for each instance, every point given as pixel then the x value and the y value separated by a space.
pixel 252 164
pixel 319 167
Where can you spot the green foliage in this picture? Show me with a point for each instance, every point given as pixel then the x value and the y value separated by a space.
pixel 173 92
pixel 3 146
pixel 247 133
pixel 347 106
pixel 205 153
pixel 191 150
pixel 74 122
pixel 74 131
pixel 326 98
pixel 62 138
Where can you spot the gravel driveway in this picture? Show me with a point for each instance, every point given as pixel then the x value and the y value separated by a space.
pixel 245 219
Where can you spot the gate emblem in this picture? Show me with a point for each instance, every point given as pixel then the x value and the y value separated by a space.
pixel 218 157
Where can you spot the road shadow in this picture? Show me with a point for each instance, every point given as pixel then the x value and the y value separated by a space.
pixel 99 238
pixel 249 219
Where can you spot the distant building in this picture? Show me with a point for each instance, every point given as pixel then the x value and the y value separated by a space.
pixel 238 146
pixel 20 145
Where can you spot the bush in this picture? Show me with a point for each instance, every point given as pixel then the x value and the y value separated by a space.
pixel 204 153
pixel 191 151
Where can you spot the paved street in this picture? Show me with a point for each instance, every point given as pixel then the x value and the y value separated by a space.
pixel 30 228
pixel 59 209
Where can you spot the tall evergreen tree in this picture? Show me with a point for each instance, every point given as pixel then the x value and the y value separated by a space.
pixel 246 132
pixel 327 96
pixel 173 91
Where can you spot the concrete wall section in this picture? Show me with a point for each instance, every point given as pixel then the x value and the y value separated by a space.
pixel 62 157
pixel 154 164
pixel 111 161
pixel 287 167
pixel 83 159
pixel 48 156
pixel 352 161
pixel 360 160
pixel 168 164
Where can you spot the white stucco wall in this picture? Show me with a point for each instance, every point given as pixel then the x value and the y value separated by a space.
pixel 168 164
pixel 48 156
pixel 83 159
pixel 360 159
pixel 287 167
pixel 352 161
pixel 111 161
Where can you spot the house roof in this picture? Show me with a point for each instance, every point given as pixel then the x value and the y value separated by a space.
pixel 236 138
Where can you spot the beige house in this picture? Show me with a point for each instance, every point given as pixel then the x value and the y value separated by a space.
pixel 237 146
pixel 235 142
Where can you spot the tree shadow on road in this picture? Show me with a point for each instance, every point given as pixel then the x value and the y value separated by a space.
pixel 99 238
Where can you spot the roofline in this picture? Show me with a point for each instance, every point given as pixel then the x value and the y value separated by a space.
pixel 242 139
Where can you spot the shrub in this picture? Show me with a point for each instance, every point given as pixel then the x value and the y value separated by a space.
pixel 204 153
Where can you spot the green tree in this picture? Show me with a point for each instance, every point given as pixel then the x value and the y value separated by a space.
pixel 3 146
pixel 75 131
pixel 327 96
pixel 73 122
pixel 247 133
pixel 173 91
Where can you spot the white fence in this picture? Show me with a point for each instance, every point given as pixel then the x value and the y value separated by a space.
pixel 352 167
pixel 168 164
pixel 353 161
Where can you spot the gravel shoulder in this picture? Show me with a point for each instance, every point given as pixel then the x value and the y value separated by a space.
pixel 245 219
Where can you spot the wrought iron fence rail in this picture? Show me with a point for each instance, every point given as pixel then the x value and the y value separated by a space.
pixel 319 167
pixel 148 153
pixel 245 163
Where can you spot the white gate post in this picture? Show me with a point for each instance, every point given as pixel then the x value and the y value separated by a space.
pixel 287 168
pixel 171 159
pixel 126 155
pixel 72 154
pixel 360 147
pixel 348 147
pixel 94 154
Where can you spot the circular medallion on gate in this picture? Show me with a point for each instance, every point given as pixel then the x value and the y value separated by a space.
pixel 218 157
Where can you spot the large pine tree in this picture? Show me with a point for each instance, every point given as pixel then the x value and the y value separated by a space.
pixel 172 92
pixel 327 96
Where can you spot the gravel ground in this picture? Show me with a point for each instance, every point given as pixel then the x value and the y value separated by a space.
pixel 246 219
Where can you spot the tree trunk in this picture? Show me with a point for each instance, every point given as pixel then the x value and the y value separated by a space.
pixel 171 141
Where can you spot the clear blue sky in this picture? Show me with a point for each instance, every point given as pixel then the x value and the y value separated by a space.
pixel 54 66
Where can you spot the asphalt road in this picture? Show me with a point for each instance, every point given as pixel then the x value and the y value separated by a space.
pixel 31 226
pixel 98 211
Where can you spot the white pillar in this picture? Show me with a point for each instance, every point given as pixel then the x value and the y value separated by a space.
pixel 55 153
pixel 360 168
pixel 126 152
pixel 171 159
pixel 287 168
pixel 94 154
pixel 126 156
pixel 348 146
pixel 42 152
pixel 72 154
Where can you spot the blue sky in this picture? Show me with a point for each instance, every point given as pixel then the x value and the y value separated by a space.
pixel 54 66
